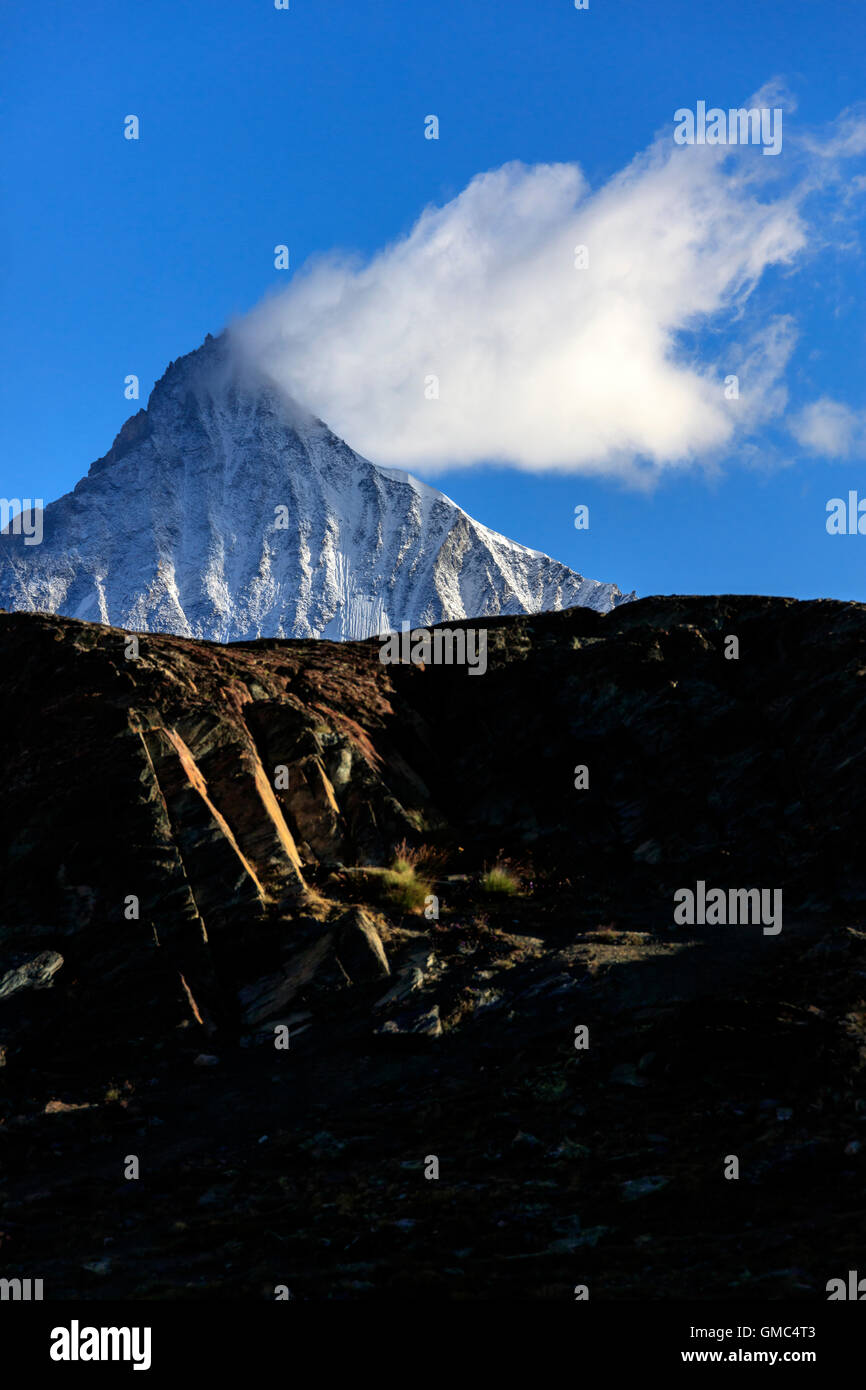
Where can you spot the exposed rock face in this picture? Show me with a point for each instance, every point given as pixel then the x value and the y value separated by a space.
pixel 183 805
pixel 222 511
pixel 196 842
pixel 359 948
pixel 36 973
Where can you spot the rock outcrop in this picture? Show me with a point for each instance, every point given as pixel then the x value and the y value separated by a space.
pixel 211 848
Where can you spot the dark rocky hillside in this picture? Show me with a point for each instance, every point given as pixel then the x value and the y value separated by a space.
pixel 196 851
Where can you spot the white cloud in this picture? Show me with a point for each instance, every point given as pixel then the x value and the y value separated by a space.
pixel 542 365
pixel 830 428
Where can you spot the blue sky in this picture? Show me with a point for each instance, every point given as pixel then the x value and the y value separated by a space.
pixel 305 127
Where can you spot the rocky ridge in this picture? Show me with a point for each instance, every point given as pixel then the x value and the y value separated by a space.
pixel 196 845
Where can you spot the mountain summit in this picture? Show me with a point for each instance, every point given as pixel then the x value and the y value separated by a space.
pixel 223 511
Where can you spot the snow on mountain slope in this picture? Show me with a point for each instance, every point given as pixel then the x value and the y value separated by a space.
pixel 222 511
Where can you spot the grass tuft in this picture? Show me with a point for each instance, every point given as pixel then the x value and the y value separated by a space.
pixel 500 879
pixel 404 888
pixel 405 891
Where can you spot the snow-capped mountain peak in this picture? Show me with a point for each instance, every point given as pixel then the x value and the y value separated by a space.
pixel 225 511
